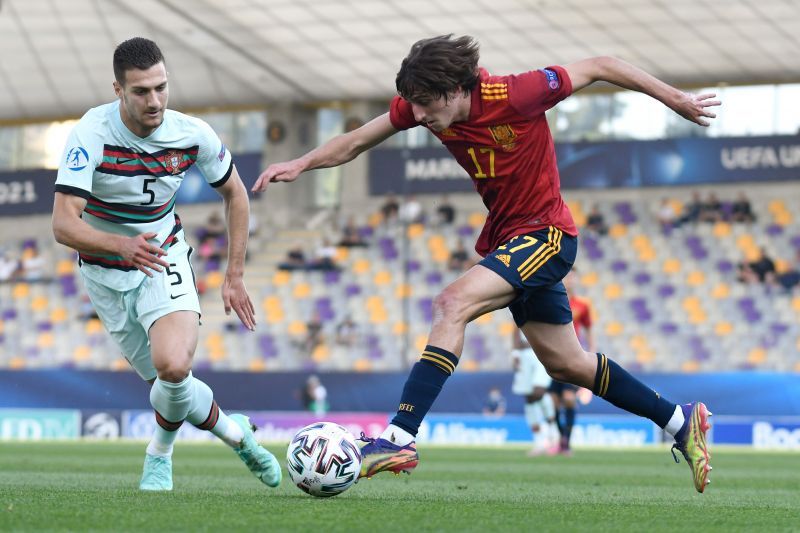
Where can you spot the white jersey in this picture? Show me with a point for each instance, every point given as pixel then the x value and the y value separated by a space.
pixel 130 182
pixel 529 373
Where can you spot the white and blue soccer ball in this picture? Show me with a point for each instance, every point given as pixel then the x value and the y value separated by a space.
pixel 323 459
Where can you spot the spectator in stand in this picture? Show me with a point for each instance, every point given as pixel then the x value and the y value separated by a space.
pixel 741 210
pixel 495 403
pixel 759 271
pixel 314 335
pixel 8 265
pixel 711 209
pixel 445 212
pixel 790 278
pixel 411 211
pixel 666 216
pixel 351 237
pixel 295 259
pixel 32 265
pixel 315 396
pixel 347 332
pixel 390 210
pixel 210 251
pixel 459 260
pixel 595 221
pixel 215 226
pixel 324 257
pixel 692 210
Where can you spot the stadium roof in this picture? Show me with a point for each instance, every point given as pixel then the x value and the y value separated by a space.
pixel 55 56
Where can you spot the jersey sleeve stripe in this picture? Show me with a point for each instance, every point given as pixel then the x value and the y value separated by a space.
pixel 75 191
pixel 220 182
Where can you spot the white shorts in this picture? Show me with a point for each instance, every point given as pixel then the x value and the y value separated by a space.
pixel 530 372
pixel 128 315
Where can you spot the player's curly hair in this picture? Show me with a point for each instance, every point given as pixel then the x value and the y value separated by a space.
pixel 136 53
pixel 438 66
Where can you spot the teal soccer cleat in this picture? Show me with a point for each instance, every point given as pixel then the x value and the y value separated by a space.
pixel 261 463
pixel 157 473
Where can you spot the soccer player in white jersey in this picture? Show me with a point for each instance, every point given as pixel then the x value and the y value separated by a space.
pixel 115 205
pixel 531 382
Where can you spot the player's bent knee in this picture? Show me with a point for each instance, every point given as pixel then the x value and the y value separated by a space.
pixel 447 304
pixel 174 370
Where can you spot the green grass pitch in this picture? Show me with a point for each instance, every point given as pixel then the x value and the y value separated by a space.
pixel 88 486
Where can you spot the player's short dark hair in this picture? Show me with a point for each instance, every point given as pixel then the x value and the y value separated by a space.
pixel 438 66
pixel 137 53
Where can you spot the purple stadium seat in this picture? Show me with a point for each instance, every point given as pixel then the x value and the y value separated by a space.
pixel 433 278
pixel 412 265
pixel 642 278
pixel 668 328
pixel 465 231
pixel 778 328
pixel 374 353
pixel 201 365
pixel 724 266
pixel 619 266
pixel 45 325
pixel 366 232
pixel 352 289
pixel 774 230
pixel 666 290
pixel 796 241
pixel 331 277
pixel 372 340
pixel 10 314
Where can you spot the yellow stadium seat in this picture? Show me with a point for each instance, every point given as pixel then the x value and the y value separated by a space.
pixel 257 365
pixel 723 328
pixel 375 220
pixel 301 290
pixel 271 303
pixel 65 267
pixel 696 278
pixel 275 316
pixel 484 319
pixel 20 291
pixel 120 364
pixel 618 230
pixel 378 316
pixel 384 277
pixel 2 327
pixel 39 303
pixel 645 355
pixel 420 342
pixel 81 353
pixel 614 329
pixel 362 365
pixel 721 290
pixel 590 279
pixel 797 366
pixel 214 280
pixel 641 241
pixel 469 365
pixel 281 278
pixel 361 266
pixel 613 291
pixel 722 229
pixel 646 255
pixel 690 366
pixel 476 220
pixel 93 326
pixel 777 206
pixel 796 304
pixel 297 327
pixel 217 354
pixel 745 240
pixel 45 340
pixel 58 315
pixel 415 230
pixel 16 363
pixel 752 254
pixel 782 266
pixel 672 266
pixel 399 328
pixel 440 256
pixel 403 290
pixel 697 317
pixel 756 356
pixel 342 253
pixel 321 353
pixel 214 340
pixel 506 328
pixel 374 302
pixel 638 342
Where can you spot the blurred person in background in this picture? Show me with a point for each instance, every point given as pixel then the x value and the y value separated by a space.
pixel 665 216
pixel 315 396
pixel 741 210
pixel 596 221
pixel 445 212
pixel 495 404
pixel 495 127
pixel 411 211
pixel 531 382
pixel 114 203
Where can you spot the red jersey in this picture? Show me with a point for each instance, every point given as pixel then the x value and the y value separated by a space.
pixel 581 315
pixel 506 146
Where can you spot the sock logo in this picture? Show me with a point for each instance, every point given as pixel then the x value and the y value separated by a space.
pixel 406 407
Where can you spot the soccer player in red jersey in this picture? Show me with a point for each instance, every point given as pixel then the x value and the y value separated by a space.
pixel 496 129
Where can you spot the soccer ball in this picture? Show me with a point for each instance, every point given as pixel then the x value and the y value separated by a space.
pixel 323 459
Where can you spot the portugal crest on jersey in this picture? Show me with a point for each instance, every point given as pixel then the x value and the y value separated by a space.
pixel 504 135
pixel 172 161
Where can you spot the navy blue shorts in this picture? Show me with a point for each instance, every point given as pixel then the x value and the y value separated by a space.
pixel 534 264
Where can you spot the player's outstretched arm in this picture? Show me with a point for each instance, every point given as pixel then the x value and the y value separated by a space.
pixel 70 230
pixel 337 151
pixel 237 219
pixel 692 107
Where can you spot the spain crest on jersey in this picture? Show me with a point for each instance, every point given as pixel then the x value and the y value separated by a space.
pixel 173 160
pixel 504 135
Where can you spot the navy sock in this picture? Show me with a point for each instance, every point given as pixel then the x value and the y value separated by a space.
pixel 569 421
pixel 423 386
pixel 615 385
pixel 559 422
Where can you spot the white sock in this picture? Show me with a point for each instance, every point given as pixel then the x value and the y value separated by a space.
pixel 676 422
pixel 161 443
pixel 533 414
pixel 226 429
pixel 397 435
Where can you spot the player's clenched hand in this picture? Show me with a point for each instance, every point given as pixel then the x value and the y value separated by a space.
pixel 694 107
pixel 144 256
pixel 234 296
pixel 287 171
